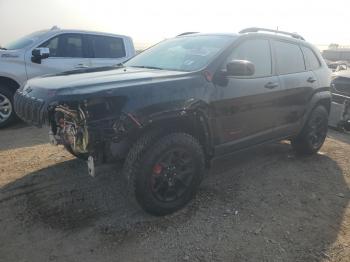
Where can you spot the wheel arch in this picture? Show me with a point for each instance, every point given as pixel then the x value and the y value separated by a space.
pixel 9 83
pixel 323 98
pixel 326 102
pixel 193 122
pixel 320 98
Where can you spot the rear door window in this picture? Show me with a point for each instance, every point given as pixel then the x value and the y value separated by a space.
pixel 256 51
pixel 311 59
pixel 289 58
pixel 107 47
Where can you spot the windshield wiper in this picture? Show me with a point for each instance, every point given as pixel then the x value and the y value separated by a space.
pixel 3 48
pixel 150 67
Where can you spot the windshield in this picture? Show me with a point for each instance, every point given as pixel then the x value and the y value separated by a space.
pixel 24 41
pixel 189 53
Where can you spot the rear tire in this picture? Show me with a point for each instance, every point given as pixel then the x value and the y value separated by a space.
pixel 314 133
pixel 167 173
pixel 7 112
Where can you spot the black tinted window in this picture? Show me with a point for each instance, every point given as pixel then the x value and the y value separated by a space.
pixel 311 60
pixel 289 58
pixel 107 47
pixel 256 51
pixel 65 45
pixel 72 46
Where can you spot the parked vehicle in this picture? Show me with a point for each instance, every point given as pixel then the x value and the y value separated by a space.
pixel 167 112
pixel 340 109
pixel 337 66
pixel 53 51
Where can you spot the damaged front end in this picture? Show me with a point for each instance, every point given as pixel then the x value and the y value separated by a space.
pixel 89 127
pixel 70 129
pixel 95 130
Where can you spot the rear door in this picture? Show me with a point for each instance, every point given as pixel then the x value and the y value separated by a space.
pixel 296 81
pixel 313 63
pixel 68 51
pixel 246 109
pixel 106 50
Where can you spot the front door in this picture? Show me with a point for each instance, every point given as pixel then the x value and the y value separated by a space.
pixel 67 52
pixel 247 108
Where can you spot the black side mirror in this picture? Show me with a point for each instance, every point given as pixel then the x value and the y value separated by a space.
pixel 40 53
pixel 240 68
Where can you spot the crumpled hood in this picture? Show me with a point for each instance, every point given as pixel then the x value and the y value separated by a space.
pixel 98 79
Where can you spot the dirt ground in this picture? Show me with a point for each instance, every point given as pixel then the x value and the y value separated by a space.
pixel 265 204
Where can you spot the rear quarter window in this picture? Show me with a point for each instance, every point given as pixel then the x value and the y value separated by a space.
pixel 311 60
pixel 289 58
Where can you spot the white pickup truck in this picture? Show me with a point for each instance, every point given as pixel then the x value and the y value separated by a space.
pixel 53 51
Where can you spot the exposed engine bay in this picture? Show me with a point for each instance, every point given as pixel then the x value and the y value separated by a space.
pixel 71 128
pixel 93 128
pixel 340 113
pixel 340 110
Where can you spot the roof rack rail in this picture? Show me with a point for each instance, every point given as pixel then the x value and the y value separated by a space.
pixel 258 29
pixel 187 33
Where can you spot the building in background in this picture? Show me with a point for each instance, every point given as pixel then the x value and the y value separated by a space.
pixel 337 53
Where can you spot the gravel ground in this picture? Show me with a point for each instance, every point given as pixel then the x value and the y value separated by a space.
pixel 264 204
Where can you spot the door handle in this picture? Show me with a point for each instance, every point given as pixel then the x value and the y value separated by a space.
pixel 311 79
pixel 271 85
pixel 81 66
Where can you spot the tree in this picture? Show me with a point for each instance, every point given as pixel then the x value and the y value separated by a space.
pixel 333 46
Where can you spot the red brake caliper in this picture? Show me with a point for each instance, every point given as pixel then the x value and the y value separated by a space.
pixel 157 170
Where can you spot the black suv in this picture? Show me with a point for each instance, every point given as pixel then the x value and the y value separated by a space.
pixel 167 112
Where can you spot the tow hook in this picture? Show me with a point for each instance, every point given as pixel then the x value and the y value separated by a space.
pixel 91 166
pixel 96 168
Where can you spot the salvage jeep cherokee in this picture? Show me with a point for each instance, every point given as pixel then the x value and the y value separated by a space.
pixel 166 113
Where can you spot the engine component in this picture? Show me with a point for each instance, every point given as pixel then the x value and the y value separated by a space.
pixel 91 166
pixel 71 128
pixel 346 116
pixel 340 113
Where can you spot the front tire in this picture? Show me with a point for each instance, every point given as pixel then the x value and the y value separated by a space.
pixel 314 133
pixel 7 112
pixel 166 173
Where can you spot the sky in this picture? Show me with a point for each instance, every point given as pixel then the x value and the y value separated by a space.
pixel 150 21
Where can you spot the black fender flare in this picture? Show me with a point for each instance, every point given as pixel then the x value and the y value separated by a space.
pixel 195 113
pixel 323 97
